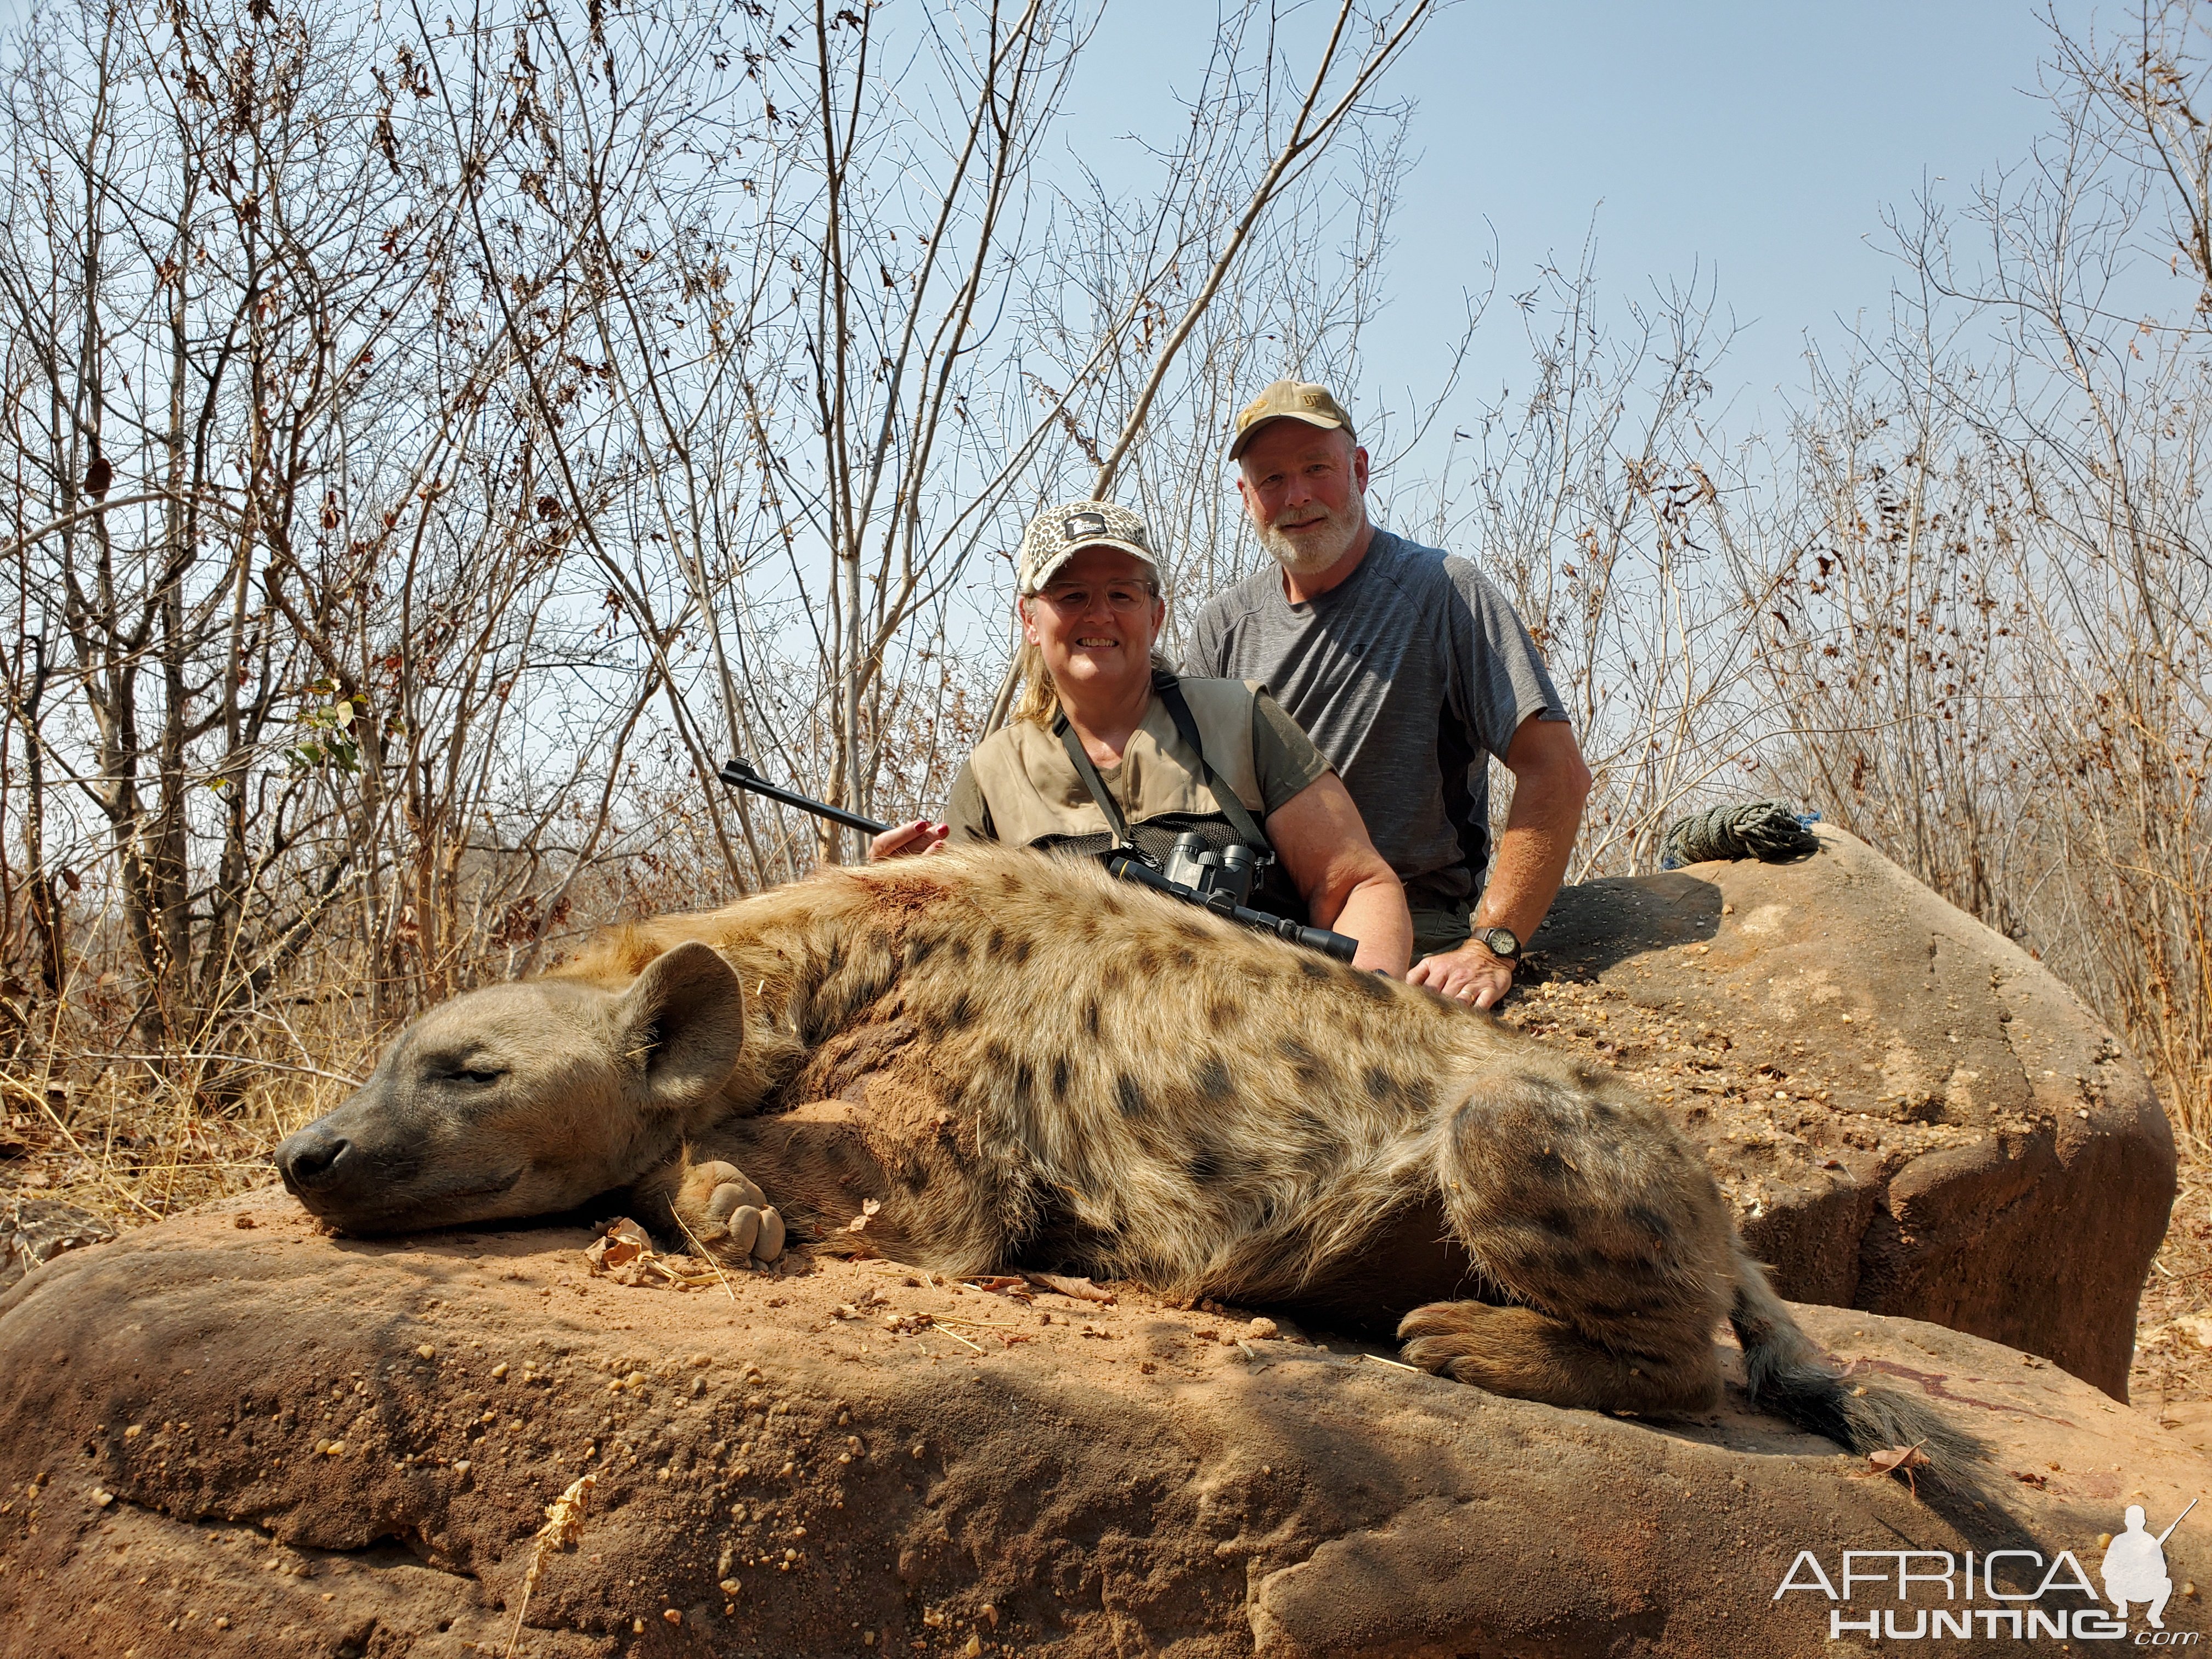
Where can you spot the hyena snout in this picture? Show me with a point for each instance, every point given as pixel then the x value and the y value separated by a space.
pixel 317 1160
pixel 349 1171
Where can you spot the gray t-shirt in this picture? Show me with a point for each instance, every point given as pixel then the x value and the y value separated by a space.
pixel 1408 676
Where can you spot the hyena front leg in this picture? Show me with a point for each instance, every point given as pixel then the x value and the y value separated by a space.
pixel 847 1182
pixel 745 1189
pixel 720 1211
pixel 1606 1234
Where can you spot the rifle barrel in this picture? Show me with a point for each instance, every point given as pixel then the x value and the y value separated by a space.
pixel 2177 1520
pixel 740 775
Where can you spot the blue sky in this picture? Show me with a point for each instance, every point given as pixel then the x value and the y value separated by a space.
pixel 1753 145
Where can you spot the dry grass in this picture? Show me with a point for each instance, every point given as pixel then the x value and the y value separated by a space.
pixel 137 1154
pixel 2172 1378
pixel 563 1529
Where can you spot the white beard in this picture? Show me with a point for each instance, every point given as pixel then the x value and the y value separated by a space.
pixel 1320 548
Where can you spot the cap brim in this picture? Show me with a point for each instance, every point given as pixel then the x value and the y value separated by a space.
pixel 1052 566
pixel 1242 440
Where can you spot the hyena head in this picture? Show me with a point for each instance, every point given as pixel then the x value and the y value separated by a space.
pixel 525 1099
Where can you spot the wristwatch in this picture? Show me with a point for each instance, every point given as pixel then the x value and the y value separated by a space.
pixel 1500 942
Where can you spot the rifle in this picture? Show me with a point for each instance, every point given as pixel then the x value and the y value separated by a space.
pixel 738 773
pixel 2177 1520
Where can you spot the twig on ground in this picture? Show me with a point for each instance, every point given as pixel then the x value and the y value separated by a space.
pixel 564 1525
pixel 705 1255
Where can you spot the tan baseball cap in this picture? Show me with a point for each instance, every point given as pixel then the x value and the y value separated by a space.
pixel 1289 400
pixel 1059 533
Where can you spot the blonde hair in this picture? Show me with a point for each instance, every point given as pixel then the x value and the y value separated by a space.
pixel 1036 703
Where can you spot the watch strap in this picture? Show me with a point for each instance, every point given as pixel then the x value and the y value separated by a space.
pixel 1489 938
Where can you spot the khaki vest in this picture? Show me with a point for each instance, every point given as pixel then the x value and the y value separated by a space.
pixel 1032 791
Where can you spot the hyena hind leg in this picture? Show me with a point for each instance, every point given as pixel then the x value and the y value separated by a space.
pixel 1605 1234
pixel 1528 1355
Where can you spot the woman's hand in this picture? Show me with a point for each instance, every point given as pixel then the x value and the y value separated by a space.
pixel 905 840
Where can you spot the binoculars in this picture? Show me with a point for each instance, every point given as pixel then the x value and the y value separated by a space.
pixel 1229 871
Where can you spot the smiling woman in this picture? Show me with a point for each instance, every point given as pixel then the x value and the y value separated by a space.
pixel 1110 750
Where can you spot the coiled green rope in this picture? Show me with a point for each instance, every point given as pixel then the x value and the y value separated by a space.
pixel 1770 830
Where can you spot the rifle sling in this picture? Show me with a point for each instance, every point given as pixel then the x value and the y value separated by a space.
pixel 1095 785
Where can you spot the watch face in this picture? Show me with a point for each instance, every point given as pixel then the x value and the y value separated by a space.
pixel 1500 942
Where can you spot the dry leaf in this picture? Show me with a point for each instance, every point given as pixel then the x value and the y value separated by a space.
pixel 859 1223
pixel 625 1254
pixel 624 1241
pixel 1896 1460
pixel 2197 1327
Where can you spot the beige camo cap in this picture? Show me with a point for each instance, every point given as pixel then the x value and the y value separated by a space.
pixel 1059 533
pixel 1289 400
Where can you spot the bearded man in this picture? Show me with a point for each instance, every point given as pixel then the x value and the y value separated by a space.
pixel 1409 670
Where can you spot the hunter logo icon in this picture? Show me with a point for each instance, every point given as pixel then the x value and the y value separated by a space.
pixel 2135 1567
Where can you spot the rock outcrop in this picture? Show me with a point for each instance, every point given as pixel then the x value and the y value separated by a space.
pixel 224 1439
pixel 1912 1115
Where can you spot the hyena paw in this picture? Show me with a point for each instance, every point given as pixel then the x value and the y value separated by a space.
pixel 1437 1336
pixel 728 1214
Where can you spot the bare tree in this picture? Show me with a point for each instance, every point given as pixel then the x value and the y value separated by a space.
pixel 1994 612
pixel 437 441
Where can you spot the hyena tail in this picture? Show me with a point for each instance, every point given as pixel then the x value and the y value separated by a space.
pixel 1786 1373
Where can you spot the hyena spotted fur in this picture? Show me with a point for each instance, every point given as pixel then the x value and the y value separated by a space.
pixel 1028 1064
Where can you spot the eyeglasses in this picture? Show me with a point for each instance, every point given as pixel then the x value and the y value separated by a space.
pixel 1124 597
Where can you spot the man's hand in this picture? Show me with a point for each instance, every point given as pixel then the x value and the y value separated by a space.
pixel 1471 973
pixel 904 840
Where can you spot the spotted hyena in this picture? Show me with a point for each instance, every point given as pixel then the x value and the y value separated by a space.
pixel 1027 1064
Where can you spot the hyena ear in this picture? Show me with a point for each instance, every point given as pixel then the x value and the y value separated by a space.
pixel 683 1022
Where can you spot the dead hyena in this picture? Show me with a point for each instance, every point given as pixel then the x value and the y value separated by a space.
pixel 1026 1063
